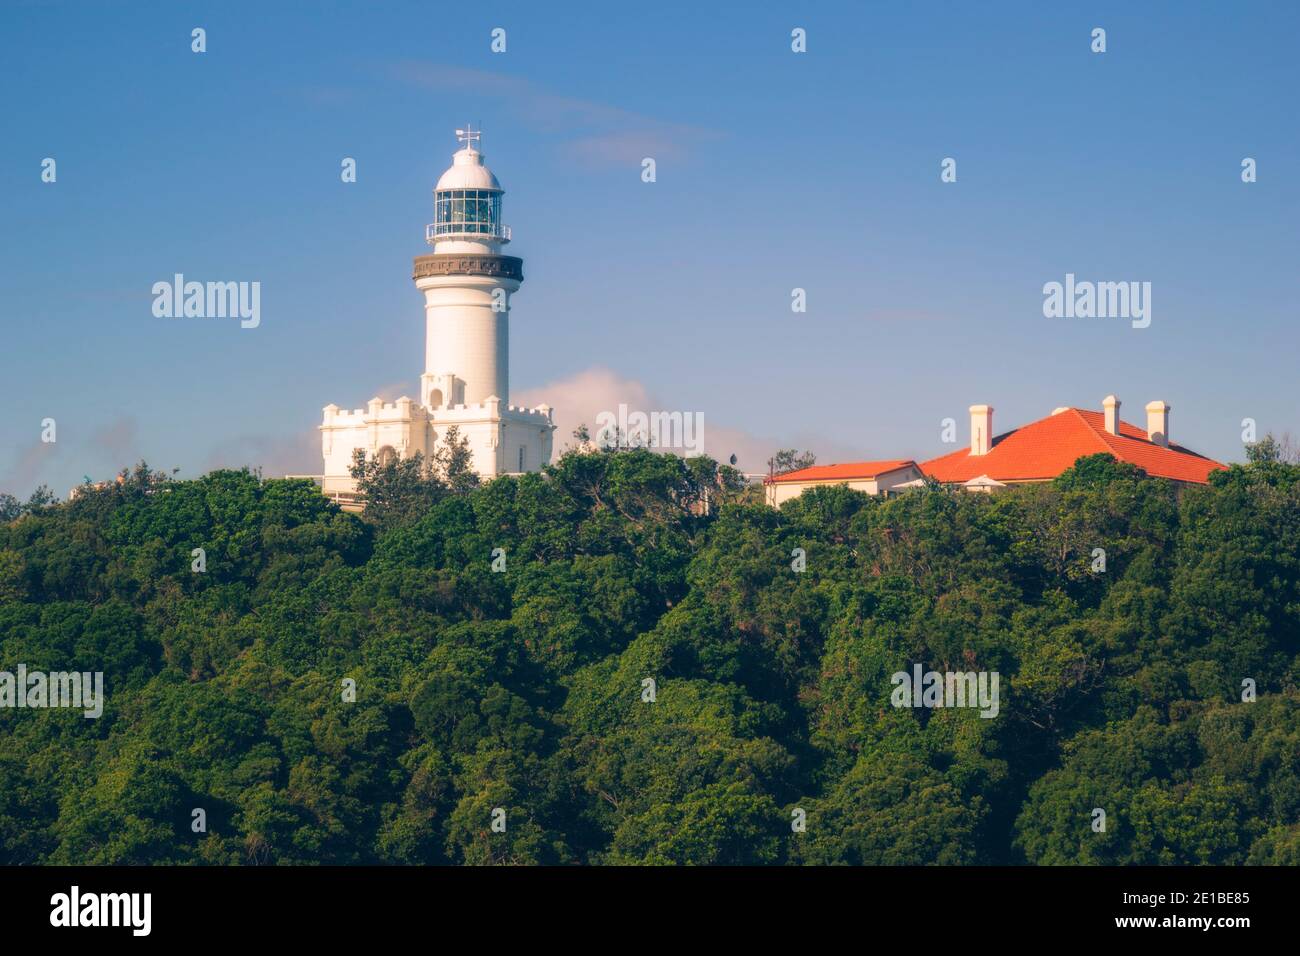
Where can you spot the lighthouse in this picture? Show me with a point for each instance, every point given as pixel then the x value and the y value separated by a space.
pixel 467 283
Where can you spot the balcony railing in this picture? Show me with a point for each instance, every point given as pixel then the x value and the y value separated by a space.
pixel 487 231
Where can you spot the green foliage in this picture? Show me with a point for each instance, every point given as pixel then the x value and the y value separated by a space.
pixel 618 659
pixel 400 490
pixel 455 462
pixel 788 459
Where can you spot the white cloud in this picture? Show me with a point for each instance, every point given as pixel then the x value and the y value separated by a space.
pixel 29 464
pixel 605 135
pixel 578 400
pixel 277 456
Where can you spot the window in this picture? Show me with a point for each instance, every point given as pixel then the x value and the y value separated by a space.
pixel 521 459
pixel 474 211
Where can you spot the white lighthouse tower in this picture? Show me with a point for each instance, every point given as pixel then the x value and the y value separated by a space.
pixel 467 285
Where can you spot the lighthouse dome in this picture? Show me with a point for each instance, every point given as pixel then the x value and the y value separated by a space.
pixel 467 204
pixel 467 172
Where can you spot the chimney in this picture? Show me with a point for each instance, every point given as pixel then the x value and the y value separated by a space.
pixel 1111 404
pixel 981 429
pixel 1158 423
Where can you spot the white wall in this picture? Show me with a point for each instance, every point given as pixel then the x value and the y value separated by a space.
pixel 464 336
pixel 494 432
pixel 779 492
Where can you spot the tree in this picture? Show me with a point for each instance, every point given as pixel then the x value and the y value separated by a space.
pixel 582 441
pixel 891 810
pixel 1270 450
pixel 455 462
pixel 788 459
pixel 40 499
pixel 397 491
pixel 622 655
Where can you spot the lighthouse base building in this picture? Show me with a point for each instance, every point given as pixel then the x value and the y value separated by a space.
pixel 504 439
pixel 467 284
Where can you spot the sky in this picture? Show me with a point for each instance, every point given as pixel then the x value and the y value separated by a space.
pixel 775 171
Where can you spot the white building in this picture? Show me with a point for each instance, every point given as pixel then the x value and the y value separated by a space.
pixel 467 285
pixel 1033 453
pixel 872 477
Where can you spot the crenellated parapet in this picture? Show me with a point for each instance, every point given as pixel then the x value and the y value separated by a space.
pixel 377 410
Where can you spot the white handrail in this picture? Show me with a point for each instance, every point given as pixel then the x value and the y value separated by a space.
pixel 460 230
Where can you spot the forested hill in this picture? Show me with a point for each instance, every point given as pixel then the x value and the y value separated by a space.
pixel 524 688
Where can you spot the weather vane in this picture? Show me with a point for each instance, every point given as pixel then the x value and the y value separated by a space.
pixel 468 135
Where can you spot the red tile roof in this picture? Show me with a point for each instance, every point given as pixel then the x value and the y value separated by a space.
pixel 1043 449
pixel 853 471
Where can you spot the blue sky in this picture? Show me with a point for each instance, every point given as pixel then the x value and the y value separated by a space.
pixel 775 170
